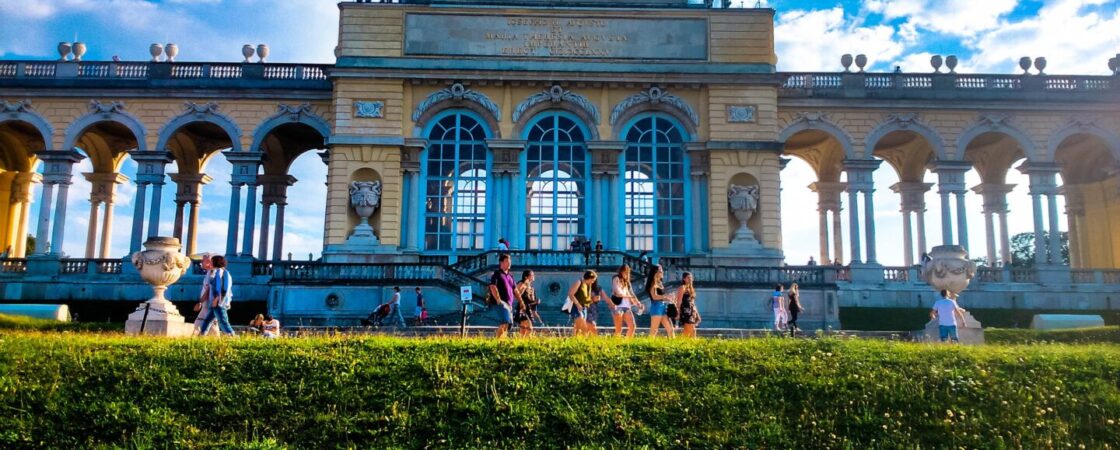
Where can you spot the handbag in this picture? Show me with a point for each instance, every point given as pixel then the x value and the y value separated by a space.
pixel 616 300
pixel 567 305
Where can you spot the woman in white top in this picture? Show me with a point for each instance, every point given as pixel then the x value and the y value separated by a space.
pixel 203 306
pixel 622 295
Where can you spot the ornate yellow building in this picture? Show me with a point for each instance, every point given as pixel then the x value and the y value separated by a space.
pixel 638 124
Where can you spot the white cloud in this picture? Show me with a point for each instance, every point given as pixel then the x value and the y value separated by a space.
pixel 1074 38
pixel 814 40
pixel 956 17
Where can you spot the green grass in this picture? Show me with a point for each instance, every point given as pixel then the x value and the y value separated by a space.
pixel 10 322
pixel 80 391
pixel 1095 335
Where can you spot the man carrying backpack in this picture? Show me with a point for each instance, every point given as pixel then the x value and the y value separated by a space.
pixel 501 291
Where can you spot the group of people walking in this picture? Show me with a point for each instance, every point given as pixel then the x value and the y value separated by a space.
pixel 517 302
pixel 786 306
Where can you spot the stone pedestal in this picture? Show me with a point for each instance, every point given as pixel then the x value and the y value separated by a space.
pixel 161 265
pixel 866 272
pixel 357 253
pixel 971 333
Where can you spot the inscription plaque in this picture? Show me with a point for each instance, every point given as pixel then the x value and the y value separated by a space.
pixel 555 37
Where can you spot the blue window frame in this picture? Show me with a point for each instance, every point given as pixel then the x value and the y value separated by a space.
pixel 655 187
pixel 456 168
pixel 556 167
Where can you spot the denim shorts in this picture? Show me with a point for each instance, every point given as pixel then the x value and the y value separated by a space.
pixel 620 310
pixel 578 313
pixel 948 332
pixel 505 316
pixel 658 308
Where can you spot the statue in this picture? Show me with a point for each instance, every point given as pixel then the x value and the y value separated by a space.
pixel 365 198
pixel 947 267
pixel 161 265
pixel 744 202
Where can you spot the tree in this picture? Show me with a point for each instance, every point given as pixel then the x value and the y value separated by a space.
pixel 30 244
pixel 1022 249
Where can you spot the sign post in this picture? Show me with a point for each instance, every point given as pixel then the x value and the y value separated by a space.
pixel 465 296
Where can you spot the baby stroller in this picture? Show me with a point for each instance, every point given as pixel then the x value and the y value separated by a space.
pixel 377 316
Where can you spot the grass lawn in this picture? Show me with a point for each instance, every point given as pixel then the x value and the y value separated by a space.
pixel 83 390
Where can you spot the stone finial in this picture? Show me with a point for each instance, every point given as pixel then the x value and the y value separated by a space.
pixel 1025 64
pixel 1040 64
pixel 861 61
pixel 951 63
pixel 935 61
pixel 846 61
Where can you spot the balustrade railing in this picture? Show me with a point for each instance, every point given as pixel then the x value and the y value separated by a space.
pixel 139 70
pixel 988 275
pixel 896 274
pixel 109 266
pixel 74 266
pixel 1024 275
pixel 860 84
pixel 13 265
pixel 1083 276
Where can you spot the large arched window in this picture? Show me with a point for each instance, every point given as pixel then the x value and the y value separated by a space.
pixel 655 187
pixel 455 193
pixel 556 167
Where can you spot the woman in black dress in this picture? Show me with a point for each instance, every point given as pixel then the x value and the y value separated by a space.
pixel 690 315
pixel 795 308
pixel 526 303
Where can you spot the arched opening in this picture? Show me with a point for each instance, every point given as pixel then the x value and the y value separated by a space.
pixel 19 141
pixel 1090 179
pixel 192 146
pixel 456 174
pixel 655 187
pixel 1003 198
pixel 292 188
pixel 556 163
pixel 909 154
pixel 817 155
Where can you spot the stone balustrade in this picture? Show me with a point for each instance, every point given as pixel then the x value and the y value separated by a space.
pixel 945 86
pixel 163 74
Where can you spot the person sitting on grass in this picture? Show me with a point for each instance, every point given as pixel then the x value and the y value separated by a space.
pixel 948 315
pixel 257 324
pixel 271 327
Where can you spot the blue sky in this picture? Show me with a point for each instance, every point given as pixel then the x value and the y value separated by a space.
pixel 989 36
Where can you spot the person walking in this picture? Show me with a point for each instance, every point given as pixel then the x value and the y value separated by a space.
pixel 794 308
pixel 690 314
pixel 948 315
pixel 419 313
pixel 598 252
pixel 599 297
pixel 659 302
pixel 395 307
pixel 625 302
pixel 220 293
pixel 203 305
pixel 526 303
pixel 580 296
pixel 502 291
pixel 777 304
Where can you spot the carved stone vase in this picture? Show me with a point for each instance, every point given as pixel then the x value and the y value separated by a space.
pixel 160 265
pixel 743 202
pixel 949 268
pixel 365 198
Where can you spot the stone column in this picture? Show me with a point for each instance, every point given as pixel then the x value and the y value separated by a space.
pixel 946 218
pixel 605 160
pixel 697 216
pixel 192 230
pixel 278 240
pixel 138 216
pixel 411 154
pixel 837 235
pixel 180 214
pixel 21 195
pixel 106 230
pixel 828 200
pixel 188 192
pixel 594 208
pixel 59 232
pixel 962 221
pixel 234 218
pixel 157 203
pixel 853 223
pixel 1055 233
pixel 1075 213
pixel 869 220
pixel 266 216
pixel 995 204
pixel 58 165
pixel 1042 183
pixel 417 211
pixel 913 194
pixel 1004 239
pixel 41 234
pixel 250 220
pixel 91 232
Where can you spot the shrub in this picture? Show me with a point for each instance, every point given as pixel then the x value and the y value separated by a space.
pixel 84 391
pixel 1103 335
pixel 9 322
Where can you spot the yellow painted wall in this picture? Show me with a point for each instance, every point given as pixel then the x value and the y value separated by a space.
pixel 345 161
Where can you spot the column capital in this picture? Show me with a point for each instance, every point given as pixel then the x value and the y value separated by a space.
pixel 104 185
pixel 245 167
pixel 860 172
pixel 701 163
pixel 1075 199
pixel 828 194
pixel 605 155
pixel 913 195
pixel 507 154
pixel 1043 176
pixel 57 165
pixel 410 154
pixel 995 196
pixel 151 166
pixel 190 186
pixel 950 176
pixel 276 188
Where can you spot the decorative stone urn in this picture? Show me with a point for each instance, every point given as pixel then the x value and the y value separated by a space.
pixel 743 201
pixel 365 198
pixel 79 49
pixel 64 51
pixel 262 52
pixel 172 51
pixel 161 265
pixel 949 268
pixel 247 51
pixel 156 50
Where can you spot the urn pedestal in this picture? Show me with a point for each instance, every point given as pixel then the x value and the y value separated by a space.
pixel 363 245
pixel 950 269
pixel 161 265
